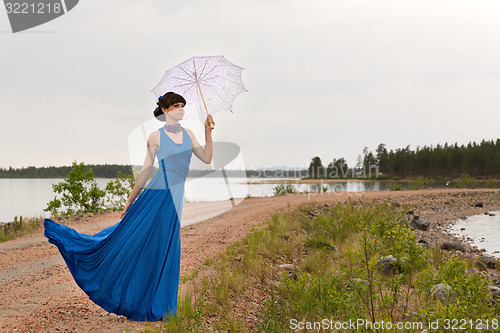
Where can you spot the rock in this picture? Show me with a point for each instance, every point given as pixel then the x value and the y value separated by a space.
pixel 291 269
pixel 420 224
pixel 453 246
pixel 481 266
pixel 441 291
pixel 479 204
pixel 495 291
pixel 489 261
pixel 489 214
pixel 388 265
pixel 288 267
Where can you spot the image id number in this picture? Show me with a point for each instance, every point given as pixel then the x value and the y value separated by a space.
pixel 463 324
pixel 38 8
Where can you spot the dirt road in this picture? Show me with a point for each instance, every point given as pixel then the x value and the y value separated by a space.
pixel 38 293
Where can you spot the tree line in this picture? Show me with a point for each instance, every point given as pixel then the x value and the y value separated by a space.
pixel 475 159
pixel 99 170
pixel 112 170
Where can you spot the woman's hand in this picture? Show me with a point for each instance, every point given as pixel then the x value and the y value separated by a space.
pixel 127 206
pixel 209 121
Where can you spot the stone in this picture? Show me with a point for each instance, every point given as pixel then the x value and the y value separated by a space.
pixel 489 261
pixel 288 267
pixel 479 204
pixel 453 246
pixel 441 291
pixel 387 265
pixel 495 291
pixel 481 266
pixel 420 224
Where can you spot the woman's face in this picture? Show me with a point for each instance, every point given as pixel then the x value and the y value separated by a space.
pixel 175 110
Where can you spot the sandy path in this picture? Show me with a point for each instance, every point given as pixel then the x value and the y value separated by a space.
pixel 38 293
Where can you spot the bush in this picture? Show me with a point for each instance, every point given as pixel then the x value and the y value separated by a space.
pixel 491 183
pixel 468 182
pixel 80 193
pixel 282 189
pixel 420 183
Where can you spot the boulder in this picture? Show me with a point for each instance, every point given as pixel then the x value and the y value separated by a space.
pixel 420 224
pixel 388 265
pixel 441 291
pixel 489 261
pixel 495 291
pixel 453 246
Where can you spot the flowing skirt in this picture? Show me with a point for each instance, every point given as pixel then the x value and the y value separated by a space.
pixel 132 267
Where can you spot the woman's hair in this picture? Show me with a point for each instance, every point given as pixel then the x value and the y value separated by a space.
pixel 165 102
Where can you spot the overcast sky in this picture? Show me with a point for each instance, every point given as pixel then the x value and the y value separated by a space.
pixel 324 78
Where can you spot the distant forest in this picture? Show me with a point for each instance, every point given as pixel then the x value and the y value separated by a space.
pixel 475 159
pixel 111 170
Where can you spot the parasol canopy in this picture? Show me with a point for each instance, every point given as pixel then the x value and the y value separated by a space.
pixel 209 85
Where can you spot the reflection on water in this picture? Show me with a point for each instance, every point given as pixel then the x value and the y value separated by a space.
pixel 483 229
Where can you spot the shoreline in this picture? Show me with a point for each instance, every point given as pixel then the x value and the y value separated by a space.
pixel 39 294
pixel 466 239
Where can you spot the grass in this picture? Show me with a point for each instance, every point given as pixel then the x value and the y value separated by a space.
pixel 19 227
pixel 336 253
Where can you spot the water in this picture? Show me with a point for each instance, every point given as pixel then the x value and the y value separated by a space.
pixel 28 197
pixel 483 229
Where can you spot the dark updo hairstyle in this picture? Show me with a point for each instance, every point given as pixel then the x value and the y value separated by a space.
pixel 165 102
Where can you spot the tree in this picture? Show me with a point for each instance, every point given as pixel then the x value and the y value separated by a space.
pixel 337 169
pixel 316 169
pixel 80 193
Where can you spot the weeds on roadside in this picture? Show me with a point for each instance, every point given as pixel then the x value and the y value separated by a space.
pixel 19 227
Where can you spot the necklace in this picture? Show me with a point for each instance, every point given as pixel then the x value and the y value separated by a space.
pixel 174 128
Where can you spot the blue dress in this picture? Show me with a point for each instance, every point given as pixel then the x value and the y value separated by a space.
pixel 132 268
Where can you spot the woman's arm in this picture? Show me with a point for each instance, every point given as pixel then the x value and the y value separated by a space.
pixel 152 147
pixel 204 154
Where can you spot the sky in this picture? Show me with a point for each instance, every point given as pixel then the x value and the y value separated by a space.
pixel 324 78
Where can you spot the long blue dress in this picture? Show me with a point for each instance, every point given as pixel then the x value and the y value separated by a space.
pixel 132 268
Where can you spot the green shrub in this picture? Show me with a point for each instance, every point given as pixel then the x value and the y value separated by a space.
pixel 286 188
pixel 80 193
pixel 491 183
pixel 420 183
pixel 468 182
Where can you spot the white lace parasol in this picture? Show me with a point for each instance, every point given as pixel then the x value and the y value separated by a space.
pixel 209 85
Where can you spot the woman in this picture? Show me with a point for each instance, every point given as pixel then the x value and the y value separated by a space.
pixel 132 268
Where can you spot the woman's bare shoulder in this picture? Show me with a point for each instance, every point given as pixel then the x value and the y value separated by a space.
pixel 191 134
pixel 154 138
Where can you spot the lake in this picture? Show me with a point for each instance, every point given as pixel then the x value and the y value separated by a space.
pixel 484 230
pixel 28 197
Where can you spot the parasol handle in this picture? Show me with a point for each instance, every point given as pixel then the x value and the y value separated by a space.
pixel 203 99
